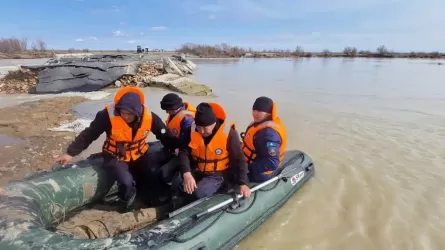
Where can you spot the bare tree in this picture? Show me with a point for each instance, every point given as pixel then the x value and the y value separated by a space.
pixel 34 46
pixel 326 53
pixel 299 51
pixel 382 50
pixel 15 45
pixel 10 45
pixel 41 45
pixel 24 43
pixel 350 51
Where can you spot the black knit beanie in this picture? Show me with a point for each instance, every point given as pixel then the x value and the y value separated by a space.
pixel 204 115
pixel 264 104
pixel 171 101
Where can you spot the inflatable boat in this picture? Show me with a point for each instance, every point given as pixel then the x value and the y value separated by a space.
pixel 31 208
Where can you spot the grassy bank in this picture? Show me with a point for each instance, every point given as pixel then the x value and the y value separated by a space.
pixel 227 51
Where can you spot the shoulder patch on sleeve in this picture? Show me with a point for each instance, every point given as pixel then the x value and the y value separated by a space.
pixel 272 151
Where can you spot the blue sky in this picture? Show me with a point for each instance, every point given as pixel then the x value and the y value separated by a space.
pixel 315 25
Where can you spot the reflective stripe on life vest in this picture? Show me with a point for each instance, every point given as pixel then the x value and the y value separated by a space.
pixel 122 134
pixel 174 125
pixel 214 156
pixel 276 124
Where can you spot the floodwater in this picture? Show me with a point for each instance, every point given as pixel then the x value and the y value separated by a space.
pixel 26 62
pixel 7 140
pixel 376 132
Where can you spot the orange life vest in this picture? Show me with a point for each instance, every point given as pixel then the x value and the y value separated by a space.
pixel 174 125
pixel 121 133
pixel 276 124
pixel 214 157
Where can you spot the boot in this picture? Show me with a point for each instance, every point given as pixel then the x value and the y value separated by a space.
pixel 128 205
pixel 177 202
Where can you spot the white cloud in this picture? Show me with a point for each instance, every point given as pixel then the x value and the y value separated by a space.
pixel 91 38
pixel 132 41
pixel 282 9
pixel 141 33
pixel 402 25
pixel 115 8
pixel 158 28
pixel 211 17
pixel 291 9
pixel 123 23
pixel 118 33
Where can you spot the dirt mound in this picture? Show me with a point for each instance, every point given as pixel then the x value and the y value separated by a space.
pixel 146 71
pixel 18 81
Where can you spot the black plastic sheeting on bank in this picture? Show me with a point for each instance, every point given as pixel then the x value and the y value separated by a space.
pixel 85 75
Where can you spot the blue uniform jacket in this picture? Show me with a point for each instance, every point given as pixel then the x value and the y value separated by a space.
pixel 184 136
pixel 267 144
pixel 186 124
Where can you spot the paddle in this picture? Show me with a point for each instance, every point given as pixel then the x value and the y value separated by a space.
pixel 283 175
pixel 289 170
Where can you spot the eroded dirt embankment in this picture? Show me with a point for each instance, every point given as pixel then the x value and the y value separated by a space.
pixel 26 145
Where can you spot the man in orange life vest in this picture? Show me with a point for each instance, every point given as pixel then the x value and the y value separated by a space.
pixel 127 122
pixel 181 115
pixel 264 141
pixel 214 149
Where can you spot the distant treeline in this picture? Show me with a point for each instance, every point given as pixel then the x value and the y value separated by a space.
pixel 14 45
pixel 225 50
pixel 23 48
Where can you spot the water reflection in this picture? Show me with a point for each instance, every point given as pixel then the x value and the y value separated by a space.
pixel 218 61
pixel 296 62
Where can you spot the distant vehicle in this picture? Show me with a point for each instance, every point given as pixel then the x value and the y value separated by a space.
pixel 139 49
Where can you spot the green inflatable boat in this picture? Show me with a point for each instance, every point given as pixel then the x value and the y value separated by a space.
pixel 30 208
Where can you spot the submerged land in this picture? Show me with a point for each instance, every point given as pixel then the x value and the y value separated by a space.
pixel 14 48
pixel 26 145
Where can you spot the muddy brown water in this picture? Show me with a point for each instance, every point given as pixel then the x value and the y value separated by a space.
pixel 376 132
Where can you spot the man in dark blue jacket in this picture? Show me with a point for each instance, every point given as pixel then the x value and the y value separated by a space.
pixel 264 141
pixel 126 117
pixel 181 115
